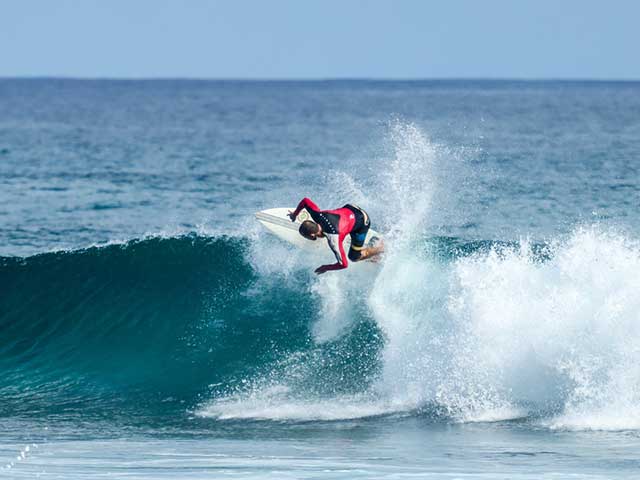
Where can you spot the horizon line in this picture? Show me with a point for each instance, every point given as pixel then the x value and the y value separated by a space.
pixel 321 79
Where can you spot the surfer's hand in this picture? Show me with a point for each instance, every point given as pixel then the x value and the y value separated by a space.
pixel 292 216
pixel 321 270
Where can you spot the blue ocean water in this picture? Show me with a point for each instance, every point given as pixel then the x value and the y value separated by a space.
pixel 152 329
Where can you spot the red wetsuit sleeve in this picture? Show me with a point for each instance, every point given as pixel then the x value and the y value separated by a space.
pixel 306 203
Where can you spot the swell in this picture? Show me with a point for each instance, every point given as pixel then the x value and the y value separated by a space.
pixel 161 316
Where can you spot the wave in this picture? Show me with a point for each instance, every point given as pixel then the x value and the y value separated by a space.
pixel 240 328
pixel 476 331
pixel 172 318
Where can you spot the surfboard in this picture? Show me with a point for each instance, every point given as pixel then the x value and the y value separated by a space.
pixel 277 221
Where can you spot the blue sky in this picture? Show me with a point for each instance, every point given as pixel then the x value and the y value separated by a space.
pixel 321 39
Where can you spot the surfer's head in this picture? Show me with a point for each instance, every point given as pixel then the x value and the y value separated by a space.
pixel 310 230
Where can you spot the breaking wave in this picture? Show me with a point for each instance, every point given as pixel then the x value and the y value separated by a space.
pixel 240 328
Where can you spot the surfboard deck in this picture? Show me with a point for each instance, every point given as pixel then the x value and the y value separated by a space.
pixel 277 221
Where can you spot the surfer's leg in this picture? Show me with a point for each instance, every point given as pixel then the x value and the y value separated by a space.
pixel 358 251
pixel 357 244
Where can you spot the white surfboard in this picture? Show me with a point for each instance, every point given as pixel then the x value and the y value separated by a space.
pixel 277 221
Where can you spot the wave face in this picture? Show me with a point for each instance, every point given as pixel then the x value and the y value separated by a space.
pixel 161 320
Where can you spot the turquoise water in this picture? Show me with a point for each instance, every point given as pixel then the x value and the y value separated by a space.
pixel 152 329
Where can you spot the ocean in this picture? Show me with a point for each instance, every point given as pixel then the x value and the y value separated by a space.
pixel 151 328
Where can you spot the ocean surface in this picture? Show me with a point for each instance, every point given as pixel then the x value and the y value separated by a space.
pixel 151 328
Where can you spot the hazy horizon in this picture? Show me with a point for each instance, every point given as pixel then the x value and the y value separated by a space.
pixel 327 79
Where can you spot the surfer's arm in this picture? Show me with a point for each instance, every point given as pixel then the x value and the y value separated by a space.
pixel 332 266
pixel 304 203
pixel 342 262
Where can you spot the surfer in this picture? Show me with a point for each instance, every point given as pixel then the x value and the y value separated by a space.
pixel 334 225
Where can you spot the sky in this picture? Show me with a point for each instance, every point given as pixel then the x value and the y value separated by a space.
pixel 320 39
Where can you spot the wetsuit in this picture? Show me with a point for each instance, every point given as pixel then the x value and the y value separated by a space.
pixel 336 224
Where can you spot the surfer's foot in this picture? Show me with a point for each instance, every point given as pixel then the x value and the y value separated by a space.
pixel 372 253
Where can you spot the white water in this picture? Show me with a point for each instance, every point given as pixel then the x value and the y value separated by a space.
pixel 493 332
pixel 492 336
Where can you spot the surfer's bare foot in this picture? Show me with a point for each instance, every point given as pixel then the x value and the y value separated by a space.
pixel 372 254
